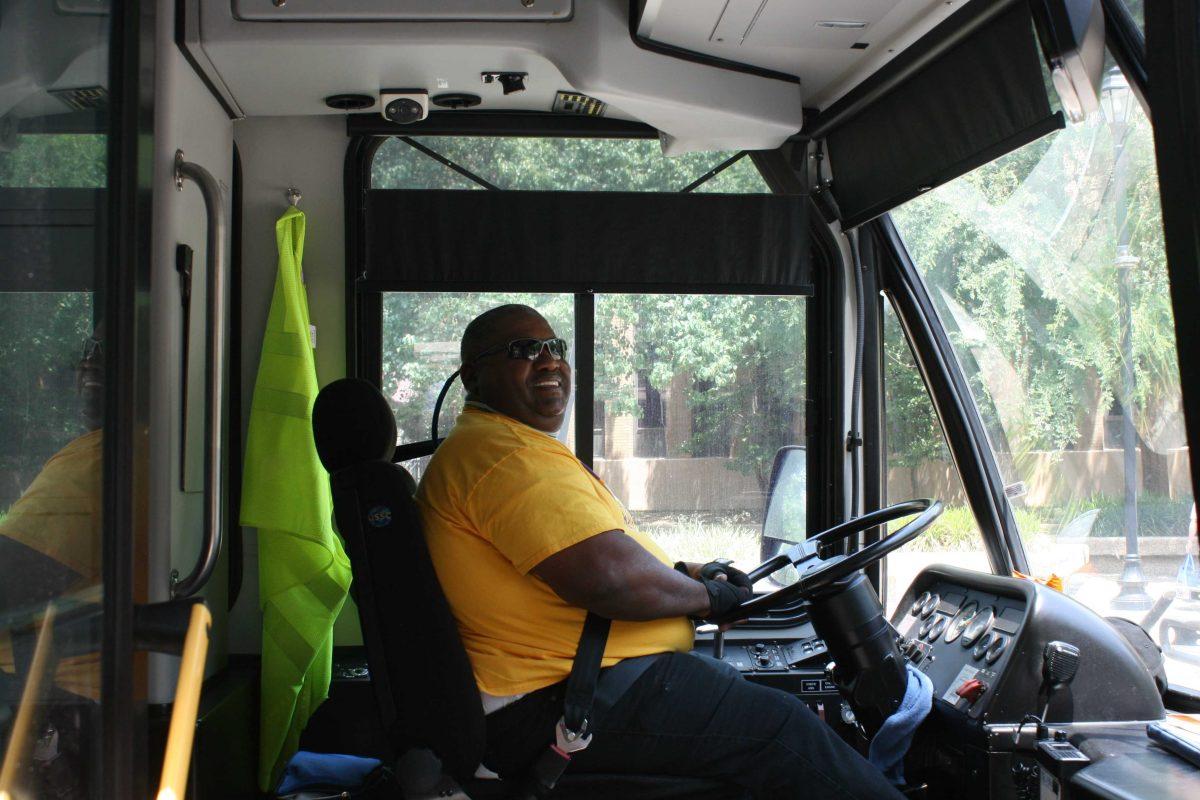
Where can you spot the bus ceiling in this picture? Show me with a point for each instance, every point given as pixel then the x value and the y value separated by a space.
pixel 707 75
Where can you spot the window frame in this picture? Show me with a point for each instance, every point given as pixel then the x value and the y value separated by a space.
pixel 957 413
pixel 364 308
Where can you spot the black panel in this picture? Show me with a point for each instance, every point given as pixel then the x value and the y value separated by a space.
pixel 50 237
pixel 1173 63
pixel 124 236
pixel 983 97
pixel 613 241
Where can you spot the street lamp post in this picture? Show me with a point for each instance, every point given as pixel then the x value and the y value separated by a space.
pixel 1116 101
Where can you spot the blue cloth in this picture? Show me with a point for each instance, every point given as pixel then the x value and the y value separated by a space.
pixel 896 734
pixel 308 770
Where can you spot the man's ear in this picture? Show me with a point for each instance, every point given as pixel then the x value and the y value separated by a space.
pixel 469 378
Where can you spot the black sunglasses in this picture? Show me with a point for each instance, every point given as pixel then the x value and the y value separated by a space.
pixel 528 349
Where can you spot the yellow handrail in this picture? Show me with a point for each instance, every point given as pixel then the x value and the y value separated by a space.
pixel 178 754
pixel 38 667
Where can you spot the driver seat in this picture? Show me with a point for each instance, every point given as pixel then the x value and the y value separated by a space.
pixel 420 675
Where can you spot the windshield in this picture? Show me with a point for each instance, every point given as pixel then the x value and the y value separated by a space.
pixel 1048 271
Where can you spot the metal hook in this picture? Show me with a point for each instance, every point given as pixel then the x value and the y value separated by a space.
pixel 293 196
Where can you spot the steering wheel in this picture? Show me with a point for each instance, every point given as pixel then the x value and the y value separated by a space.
pixel 818 574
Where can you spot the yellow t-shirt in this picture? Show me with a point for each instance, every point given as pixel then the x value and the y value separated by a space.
pixel 59 516
pixel 497 498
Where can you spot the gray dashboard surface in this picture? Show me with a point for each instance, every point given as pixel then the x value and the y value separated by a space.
pixel 1144 774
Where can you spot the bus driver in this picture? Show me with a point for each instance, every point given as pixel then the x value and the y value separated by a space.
pixel 508 507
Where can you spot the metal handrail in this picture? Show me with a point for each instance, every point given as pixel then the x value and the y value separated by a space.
pixel 214 377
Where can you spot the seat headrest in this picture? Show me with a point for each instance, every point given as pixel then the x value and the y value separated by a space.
pixel 352 422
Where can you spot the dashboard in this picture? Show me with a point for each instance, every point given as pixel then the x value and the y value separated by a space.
pixel 985 641
pixel 963 639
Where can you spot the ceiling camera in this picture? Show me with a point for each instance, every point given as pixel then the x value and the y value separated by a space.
pixel 404 106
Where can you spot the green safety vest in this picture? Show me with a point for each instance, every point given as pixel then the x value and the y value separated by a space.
pixel 303 572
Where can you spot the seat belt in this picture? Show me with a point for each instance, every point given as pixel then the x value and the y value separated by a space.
pixel 571 733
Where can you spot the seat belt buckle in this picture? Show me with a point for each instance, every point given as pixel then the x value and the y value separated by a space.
pixel 568 741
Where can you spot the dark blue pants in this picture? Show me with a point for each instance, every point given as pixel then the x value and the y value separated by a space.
pixel 694 716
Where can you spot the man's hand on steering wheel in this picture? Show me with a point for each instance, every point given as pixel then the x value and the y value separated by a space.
pixel 727 586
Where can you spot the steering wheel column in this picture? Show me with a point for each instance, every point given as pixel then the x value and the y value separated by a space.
pixel 869 670
pixel 845 610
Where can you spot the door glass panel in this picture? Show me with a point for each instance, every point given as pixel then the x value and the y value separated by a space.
pixel 557 164
pixel 695 396
pixel 918 466
pixel 1048 271
pixel 421 336
pixel 53 168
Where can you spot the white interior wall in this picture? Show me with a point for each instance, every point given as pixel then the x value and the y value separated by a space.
pixel 309 154
pixel 185 117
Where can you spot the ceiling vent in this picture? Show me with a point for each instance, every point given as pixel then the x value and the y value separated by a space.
pixel 83 98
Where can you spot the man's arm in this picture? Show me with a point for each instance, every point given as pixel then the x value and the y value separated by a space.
pixel 612 575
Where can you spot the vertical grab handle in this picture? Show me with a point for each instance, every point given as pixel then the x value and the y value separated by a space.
pixel 214 374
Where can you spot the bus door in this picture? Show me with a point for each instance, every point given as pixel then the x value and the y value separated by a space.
pixel 72 402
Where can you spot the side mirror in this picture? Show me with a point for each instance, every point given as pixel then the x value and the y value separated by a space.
pixel 786 517
pixel 1071 33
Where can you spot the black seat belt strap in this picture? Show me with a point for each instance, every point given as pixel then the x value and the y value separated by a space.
pixel 585 672
pixel 572 732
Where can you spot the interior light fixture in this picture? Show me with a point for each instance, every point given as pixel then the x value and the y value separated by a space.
pixel 842 24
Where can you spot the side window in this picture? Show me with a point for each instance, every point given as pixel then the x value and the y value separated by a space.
pixel 699 392
pixel 919 465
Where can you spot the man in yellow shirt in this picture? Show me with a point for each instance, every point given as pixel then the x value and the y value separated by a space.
pixel 526 540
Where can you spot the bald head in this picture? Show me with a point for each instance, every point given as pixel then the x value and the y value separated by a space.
pixel 489 328
pixel 533 391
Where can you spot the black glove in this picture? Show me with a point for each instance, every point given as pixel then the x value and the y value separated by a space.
pixel 725 596
pixel 712 569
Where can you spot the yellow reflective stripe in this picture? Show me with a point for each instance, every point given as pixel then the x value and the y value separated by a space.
pixel 286 343
pixel 288 404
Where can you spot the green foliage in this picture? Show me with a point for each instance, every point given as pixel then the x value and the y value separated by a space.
pixel 703 537
pixel 547 164
pixel 913 434
pixel 957 531
pixel 40 409
pixel 55 160
pixel 744 355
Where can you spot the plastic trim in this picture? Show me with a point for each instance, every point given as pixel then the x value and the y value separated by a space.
pixel 501 123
